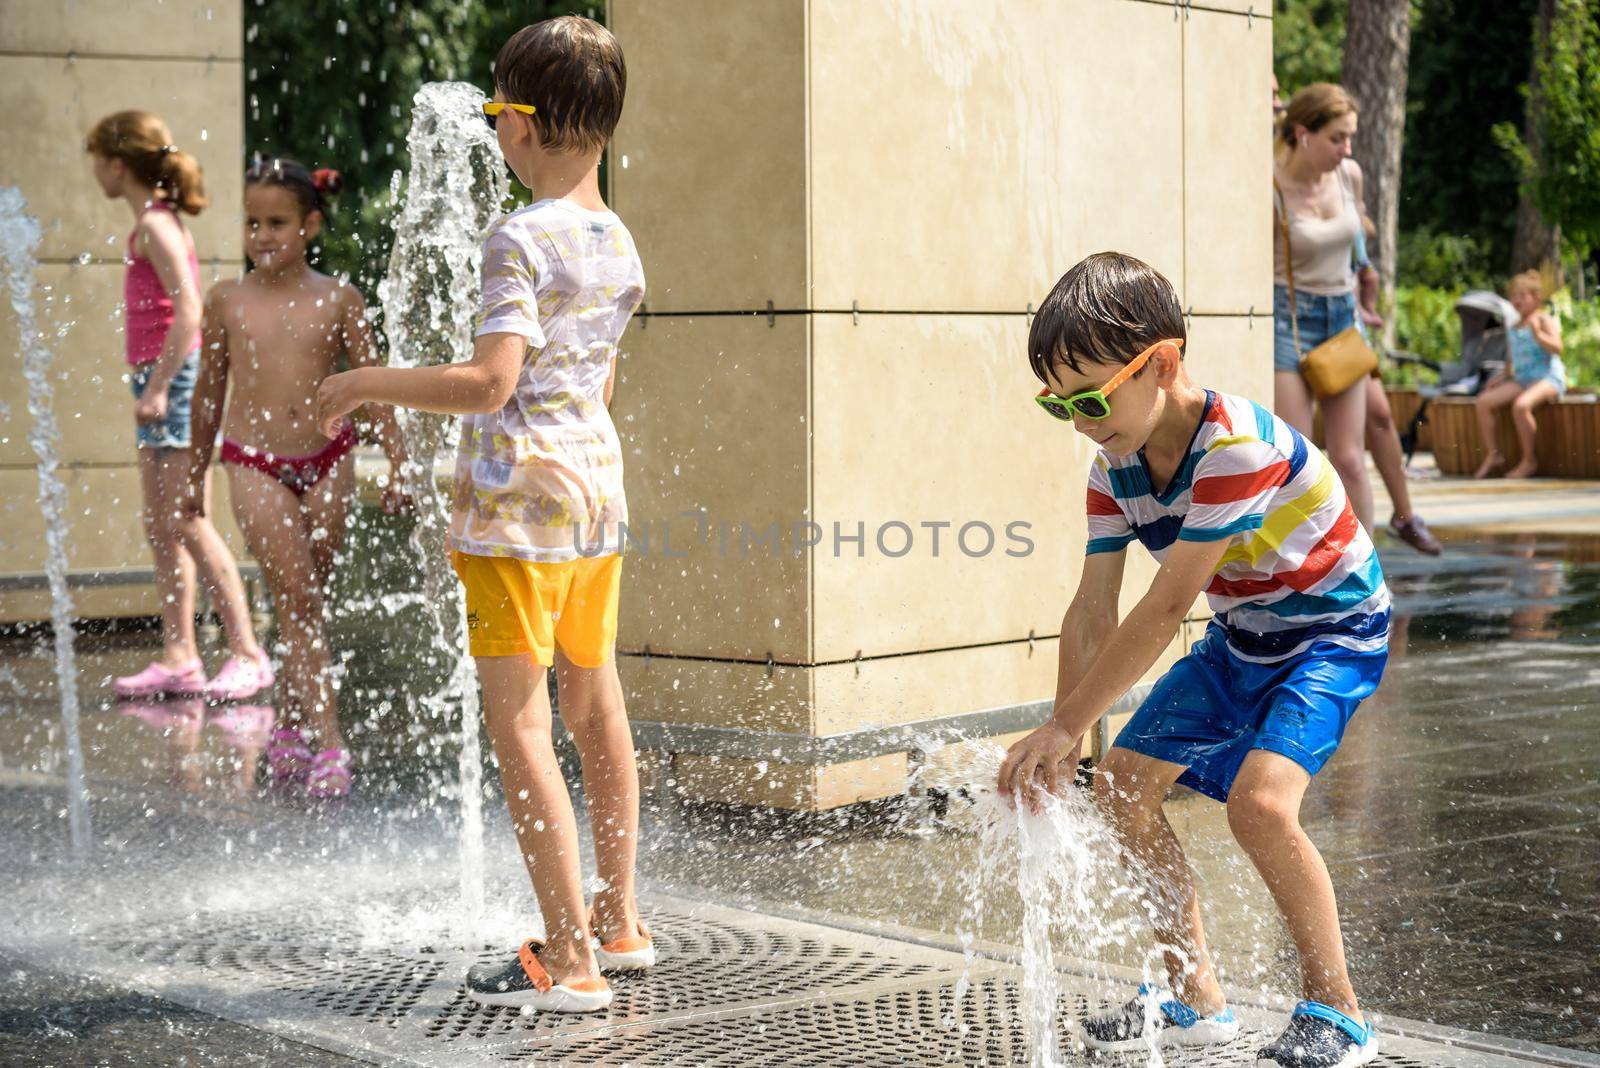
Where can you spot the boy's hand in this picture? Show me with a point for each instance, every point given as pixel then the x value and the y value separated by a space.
pixel 1033 765
pixel 337 397
pixel 152 407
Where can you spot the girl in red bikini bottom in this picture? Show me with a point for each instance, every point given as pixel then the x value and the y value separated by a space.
pixel 274 335
pixel 297 473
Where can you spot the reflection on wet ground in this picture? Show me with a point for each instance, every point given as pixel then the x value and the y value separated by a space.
pixel 1460 819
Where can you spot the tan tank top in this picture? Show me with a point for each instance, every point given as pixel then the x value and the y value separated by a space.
pixel 1322 247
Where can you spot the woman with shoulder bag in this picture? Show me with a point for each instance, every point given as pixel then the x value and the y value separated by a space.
pixel 1319 355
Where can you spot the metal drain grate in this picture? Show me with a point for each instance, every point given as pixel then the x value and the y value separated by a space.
pixel 706 963
pixel 733 988
pixel 921 1025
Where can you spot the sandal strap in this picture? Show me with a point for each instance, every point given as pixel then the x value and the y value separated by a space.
pixel 527 956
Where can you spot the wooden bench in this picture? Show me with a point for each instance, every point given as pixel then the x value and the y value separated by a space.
pixel 1567 444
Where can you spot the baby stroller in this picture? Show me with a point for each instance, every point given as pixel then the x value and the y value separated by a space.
pixel 1485 318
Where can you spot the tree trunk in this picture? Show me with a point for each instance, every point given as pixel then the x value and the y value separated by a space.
pixel 1377 48
pixel 1536 242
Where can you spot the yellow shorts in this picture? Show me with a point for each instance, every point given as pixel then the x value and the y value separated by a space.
pixel 517 607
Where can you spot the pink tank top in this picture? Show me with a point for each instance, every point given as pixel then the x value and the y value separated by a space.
pixel 148 307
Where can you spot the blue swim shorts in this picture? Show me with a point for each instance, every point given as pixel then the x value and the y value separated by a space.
pixel 1212 708
pixel 173 431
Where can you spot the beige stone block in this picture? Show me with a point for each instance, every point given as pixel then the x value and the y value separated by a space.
pixel 717 693
pixel 961 160
pixel 1233 354
pixel 1227 148
pixel 57 100
pixel 199 28
pixel 105 532
pixel 708 166
pixel 79 310
pixel 802 787
pixel 95 602
pixel 861 780
pixel 924 420
pixel 931 685
pixel 712 413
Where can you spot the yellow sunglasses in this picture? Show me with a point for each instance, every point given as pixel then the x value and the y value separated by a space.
pixel 493 108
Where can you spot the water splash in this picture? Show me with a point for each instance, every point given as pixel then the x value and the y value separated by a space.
pixel 1062 864
pixel 19 244
pixel 456 189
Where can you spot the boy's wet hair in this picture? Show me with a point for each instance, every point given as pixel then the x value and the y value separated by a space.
pixel 1107 310
pixel 310 188
pixel 571 69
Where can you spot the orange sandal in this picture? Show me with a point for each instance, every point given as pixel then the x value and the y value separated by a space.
pixel 524 983
pixel 634 953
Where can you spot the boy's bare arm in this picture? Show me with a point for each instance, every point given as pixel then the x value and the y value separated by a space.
pixel 1032 764
pixel 1089 622
pixel 482 384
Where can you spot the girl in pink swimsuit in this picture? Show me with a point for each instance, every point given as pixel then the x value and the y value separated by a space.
pixel 136 161
pixel 275 334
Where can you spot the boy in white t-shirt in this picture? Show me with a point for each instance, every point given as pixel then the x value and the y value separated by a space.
pixel 538 503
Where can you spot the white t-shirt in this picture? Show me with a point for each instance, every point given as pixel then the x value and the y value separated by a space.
pixel 541 478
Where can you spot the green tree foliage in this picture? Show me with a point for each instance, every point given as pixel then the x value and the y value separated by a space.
pixel 1307 42
pixel 1469 61
pixel 1565 182
pixel 330 84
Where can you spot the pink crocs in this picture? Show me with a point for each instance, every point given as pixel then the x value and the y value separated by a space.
pixel 330 775
pixel 288 756
pixel 240 677
pixel 157 679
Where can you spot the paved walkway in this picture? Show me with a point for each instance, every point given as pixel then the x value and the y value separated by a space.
pixel 231 926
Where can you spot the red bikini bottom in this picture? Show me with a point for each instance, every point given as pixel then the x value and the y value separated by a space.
pixel 297 473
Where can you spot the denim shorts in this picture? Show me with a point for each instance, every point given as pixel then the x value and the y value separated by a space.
pixel 171 432
pixel 1212 708
pixel 1320 318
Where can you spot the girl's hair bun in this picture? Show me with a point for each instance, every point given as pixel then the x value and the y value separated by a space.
pixel 327 180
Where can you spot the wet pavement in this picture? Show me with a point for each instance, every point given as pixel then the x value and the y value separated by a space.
pixel 1461 821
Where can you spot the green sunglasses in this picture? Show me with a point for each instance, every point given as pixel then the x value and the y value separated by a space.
pixel 1095 403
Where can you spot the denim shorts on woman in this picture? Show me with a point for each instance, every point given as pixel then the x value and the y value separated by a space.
pixel 1213 708
pixel 1320 319
pixel 171 432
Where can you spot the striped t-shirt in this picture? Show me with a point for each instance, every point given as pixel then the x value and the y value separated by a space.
pixel 1300 568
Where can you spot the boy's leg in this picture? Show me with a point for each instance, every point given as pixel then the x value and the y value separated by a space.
pixel 516 708
pixel 1264 813
pixel 1130 789
pixel 592 708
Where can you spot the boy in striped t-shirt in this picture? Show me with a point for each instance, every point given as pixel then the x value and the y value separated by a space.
pixel 1233 502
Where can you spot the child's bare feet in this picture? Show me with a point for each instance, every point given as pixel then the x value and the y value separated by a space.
pixel 1492 465
pixel 1525 469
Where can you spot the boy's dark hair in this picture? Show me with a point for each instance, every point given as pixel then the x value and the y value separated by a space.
pixel 571 69
pixel 311 188
pixel 1107 309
